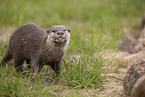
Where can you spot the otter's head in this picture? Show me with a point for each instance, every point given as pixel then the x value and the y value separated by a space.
pixel 59 35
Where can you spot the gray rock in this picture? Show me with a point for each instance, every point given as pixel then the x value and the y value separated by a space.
pixel 127 44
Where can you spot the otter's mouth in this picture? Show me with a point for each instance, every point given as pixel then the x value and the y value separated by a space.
pixel 59 40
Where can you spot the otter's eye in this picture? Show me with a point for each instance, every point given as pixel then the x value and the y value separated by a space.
pixel 53 31
pixel 68 30
pixel 64 30
pixel 47 31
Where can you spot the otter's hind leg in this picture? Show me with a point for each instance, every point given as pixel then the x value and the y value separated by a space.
pixel 18 62
pixel 6 57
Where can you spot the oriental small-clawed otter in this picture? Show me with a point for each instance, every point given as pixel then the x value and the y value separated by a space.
pixel 31 43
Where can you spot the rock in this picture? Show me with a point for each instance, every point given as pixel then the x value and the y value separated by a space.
pixel 127 44
pixel 132 80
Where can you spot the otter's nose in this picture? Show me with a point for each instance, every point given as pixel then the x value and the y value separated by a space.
pixel 60 33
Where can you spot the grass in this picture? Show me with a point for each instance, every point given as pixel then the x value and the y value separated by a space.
pixel 88 71
pixel 96 25
pixel 14 85
pixel 85 71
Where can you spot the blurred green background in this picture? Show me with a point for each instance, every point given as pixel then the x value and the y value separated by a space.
pixel 99 21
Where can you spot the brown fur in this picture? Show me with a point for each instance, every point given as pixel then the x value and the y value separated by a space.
pixel 31 43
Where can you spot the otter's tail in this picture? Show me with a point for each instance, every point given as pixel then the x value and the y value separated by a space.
pixel 6 57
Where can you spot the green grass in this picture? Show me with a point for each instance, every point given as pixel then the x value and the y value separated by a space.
pixel 14 85
pixel 85 71
pixel 95 25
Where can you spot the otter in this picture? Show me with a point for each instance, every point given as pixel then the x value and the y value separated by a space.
pixel 31 43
